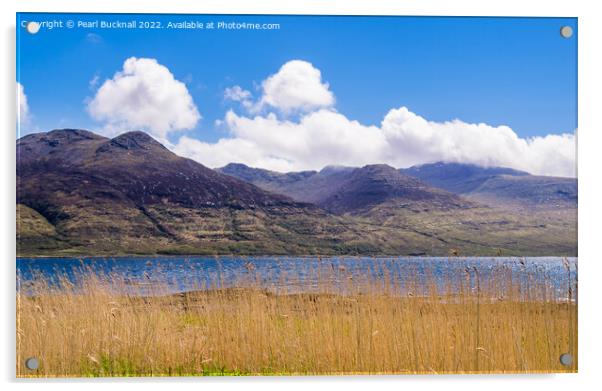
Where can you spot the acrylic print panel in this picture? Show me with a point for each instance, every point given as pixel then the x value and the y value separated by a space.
pixel 295 195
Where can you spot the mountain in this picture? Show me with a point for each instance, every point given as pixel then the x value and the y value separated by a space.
pixel 528 192
pixel 81 193
pixel 498 186
pixel 431 209
pixel 132 167
pixel 302 186
pixel 458 178
pixel 319 187
pixel 346 189
pixel 376 184
pixel 268 180
pixel 250 174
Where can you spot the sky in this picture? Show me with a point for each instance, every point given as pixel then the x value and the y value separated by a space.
pixel 313 90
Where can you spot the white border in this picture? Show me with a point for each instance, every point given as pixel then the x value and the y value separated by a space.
pixel 590 194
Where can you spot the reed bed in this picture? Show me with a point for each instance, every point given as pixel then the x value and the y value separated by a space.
pixel 90 324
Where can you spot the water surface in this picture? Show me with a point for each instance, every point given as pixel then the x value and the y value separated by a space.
pixel 161 275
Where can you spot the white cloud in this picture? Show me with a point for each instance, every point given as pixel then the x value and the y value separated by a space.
pixel 23 114
pixel 297 86
pixel 144 95
pixel 321 136
pixel 229 150
pixel 417 140
pixel 238 94
pixel 325 137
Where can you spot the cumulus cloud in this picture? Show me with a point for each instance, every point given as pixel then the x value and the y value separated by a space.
pixel 297 86
pixel 144 95
pixel 403 139
pixel 23 114
pixel 320 136
pixel 417 140
pixel 230 150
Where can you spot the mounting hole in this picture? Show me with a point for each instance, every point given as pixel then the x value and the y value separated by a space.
pixel 32 363
pixel 566 31
pixel 32 27
pixel 566 359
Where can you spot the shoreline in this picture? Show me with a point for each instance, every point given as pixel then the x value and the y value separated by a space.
pixel 317 257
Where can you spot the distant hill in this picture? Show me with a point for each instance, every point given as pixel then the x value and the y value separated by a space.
pixel 376 184
pixel 303 186
pixel 458 177
pixel 346 189
pixel 528 191
pixel 499 186
pixel 446 205
pixel 268 180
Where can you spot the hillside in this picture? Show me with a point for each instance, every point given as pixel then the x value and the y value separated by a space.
pixel 425 208
pixel 78 192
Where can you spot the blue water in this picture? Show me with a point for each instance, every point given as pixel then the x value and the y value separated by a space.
pixel 178 274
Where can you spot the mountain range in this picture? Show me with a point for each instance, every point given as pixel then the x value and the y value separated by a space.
pixel 494 186
pixel 498 186
pixel 82 193
pixel 341 190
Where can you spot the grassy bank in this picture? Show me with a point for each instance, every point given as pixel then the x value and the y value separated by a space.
pixel 384 230
pixel 107 326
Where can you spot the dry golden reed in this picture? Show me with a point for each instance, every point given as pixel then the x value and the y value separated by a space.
pixel 105 326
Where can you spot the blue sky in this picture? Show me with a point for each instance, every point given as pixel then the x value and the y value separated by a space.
pixel 517 72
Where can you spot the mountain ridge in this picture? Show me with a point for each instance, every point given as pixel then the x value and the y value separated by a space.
pixel 345 189
pixel 131 193
pixel 375 184
pixel 499 186
pixel 106 159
